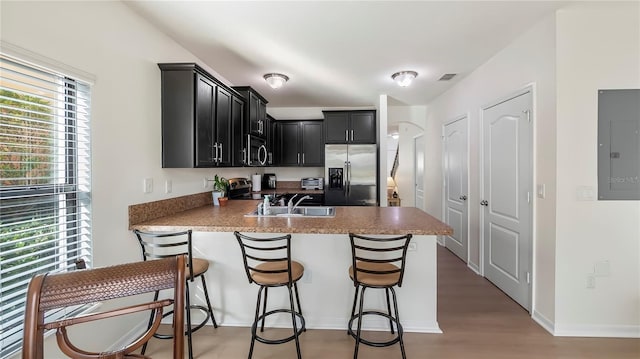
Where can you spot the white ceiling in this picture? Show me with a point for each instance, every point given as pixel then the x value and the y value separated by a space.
pixel 342 54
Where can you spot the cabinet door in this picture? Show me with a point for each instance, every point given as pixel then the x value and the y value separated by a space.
pixel 288 154
pixel 270 135
pixel 223 128
pixel 311 143
pixel 205 115
pixel 252 121
pixel 237 116
pixel 335 127
pixel 363 127
pixel 262 118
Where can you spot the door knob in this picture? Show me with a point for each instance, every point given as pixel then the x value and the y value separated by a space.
pixel 484 202
pixel 463 197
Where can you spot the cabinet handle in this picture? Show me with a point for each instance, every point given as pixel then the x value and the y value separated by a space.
pixel 484 202
pixel 302 157
pixel 270 158
pixel 215 154
pixel 221 153
pixel 346 135
pixel 298 158
pixel 351 135
pixel 244 154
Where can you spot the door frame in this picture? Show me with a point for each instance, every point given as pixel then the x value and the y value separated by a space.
pixel 415 171
pixel 466 116
pixel 530 87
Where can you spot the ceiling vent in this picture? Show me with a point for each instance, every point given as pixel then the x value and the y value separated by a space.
pixel 446 77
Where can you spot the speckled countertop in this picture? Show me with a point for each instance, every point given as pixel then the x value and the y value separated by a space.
pixel 362 220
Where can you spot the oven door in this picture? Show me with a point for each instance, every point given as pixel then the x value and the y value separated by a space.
pixel 256 150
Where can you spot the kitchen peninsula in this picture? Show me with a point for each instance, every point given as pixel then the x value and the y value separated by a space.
pixel 320 244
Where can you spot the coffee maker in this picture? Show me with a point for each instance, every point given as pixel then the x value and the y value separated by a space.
pixel 269 181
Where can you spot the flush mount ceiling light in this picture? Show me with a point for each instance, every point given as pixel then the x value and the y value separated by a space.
pixel 404 78
pixel 276 80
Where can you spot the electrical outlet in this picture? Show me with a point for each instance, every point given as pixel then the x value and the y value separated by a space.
pixel 413 246
pixel 591 281
pixel 147 185
pixel 168 186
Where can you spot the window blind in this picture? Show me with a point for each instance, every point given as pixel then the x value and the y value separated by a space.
pixel 45 184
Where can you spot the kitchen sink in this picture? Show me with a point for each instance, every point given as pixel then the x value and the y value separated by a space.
pixel 308 212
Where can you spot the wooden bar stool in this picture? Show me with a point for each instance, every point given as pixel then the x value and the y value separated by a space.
pixel 378 263
pixel 166 244
pixel 267 262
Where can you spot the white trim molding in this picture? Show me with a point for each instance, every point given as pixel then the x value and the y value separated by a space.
pixel 597 330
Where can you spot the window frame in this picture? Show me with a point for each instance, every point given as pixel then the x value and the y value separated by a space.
pixel 70 203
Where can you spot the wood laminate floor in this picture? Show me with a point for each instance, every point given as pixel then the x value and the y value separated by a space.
pixel 478 320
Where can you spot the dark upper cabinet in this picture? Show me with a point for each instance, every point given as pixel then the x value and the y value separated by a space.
pixel 300 143
pixel 271 140
pixel 197 118
pixel 239 152
pixel 350 126
pixel 255 116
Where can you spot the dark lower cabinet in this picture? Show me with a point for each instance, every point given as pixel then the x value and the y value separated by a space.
pixel 299 143
pixel 344 127
pixel 200 117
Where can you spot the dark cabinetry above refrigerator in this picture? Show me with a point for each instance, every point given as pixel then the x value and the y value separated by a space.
pixel 345 127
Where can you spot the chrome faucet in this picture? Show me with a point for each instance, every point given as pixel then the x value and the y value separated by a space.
pixel 291 207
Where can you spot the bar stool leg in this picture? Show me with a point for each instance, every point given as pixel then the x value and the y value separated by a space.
pixel 206 297
pixel 355 300
pixel 293 319
pixel 264 307
pixel 395 304
pixel 359 331
pixel 295 287
pixel 255 322
pixel 386 290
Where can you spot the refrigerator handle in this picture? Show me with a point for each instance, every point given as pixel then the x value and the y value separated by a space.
pixel 348 177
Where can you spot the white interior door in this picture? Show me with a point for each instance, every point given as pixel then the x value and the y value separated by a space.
pixel 455 186
pixel 418 148
pixel 507 178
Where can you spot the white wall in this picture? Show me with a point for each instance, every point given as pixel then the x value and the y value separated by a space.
pixel 121 50
pixel 528 60
pixel 598 48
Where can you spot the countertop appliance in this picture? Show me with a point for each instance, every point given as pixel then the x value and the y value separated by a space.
pixel 312 183
pixel 269 181
pixel 351 173
pixel 239 188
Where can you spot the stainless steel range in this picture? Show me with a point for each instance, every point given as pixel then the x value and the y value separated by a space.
pixel 240 188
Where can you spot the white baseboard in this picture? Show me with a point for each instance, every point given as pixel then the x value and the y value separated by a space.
pixel 597 331
pixel 474 267
pixel 544 322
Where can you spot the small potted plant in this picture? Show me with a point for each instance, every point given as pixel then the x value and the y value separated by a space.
pixel 220 185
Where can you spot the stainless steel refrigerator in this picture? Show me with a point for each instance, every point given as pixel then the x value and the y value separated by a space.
pixel 351 173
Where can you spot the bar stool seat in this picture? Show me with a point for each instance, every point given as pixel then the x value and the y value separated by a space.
pixel 267 263
pixel 377 263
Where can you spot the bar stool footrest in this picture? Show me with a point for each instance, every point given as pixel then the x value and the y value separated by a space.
pixel 254 327
pixel 193 329
pixel 396 339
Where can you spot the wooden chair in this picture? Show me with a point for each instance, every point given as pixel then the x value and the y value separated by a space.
pixel 53 291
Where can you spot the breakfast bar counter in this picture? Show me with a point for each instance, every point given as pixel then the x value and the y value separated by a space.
pixel 320 244
pixel 361 220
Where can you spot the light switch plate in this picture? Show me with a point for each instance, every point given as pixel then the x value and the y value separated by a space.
pixel 541 191
pixel 585 193
pixel 147 185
